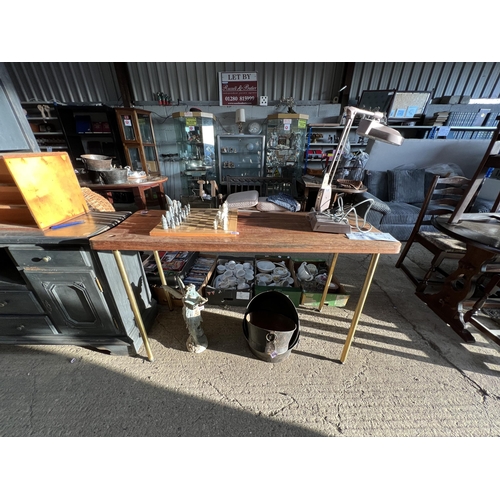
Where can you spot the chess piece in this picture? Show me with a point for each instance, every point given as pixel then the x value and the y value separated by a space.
pixel 164 223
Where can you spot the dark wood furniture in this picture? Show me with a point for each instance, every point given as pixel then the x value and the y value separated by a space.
pixel 280 233
pixel 443 195
pixel 55 289
pixel 454 302
pixel 91 130
pixel 138 189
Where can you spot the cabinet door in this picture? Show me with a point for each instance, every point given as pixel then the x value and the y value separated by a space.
pixel 74 301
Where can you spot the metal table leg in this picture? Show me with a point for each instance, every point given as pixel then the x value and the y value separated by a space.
pixel 328 279
pixel 133 303
pixel 162 279
pixel 360 305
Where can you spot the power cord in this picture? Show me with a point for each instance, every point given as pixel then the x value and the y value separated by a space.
pixel 341 214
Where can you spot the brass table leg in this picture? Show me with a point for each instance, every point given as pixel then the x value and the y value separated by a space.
pixel 162 279
pixel 133 303
pixel 360 305
pixel 328 279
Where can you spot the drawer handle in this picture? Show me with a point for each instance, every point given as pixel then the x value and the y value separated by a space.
pixel 20 327
pixel 46 258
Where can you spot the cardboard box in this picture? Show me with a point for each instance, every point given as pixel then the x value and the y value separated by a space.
pixel 313 291
pixel 83 124
pixel 293 292
pixel 228 297
pixel 97 127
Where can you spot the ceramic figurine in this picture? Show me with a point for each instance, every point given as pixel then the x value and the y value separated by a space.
pixel 192 306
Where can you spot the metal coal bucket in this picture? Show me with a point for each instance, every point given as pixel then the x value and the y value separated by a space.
pixel 114 176
pixel 271 326
pixel 97 162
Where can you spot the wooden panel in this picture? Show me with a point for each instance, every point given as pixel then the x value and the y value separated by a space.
pixel 48 185
pixel 18 215
pixel 10 195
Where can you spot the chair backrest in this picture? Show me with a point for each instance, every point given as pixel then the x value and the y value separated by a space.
pixel 239 184
pixel 443 195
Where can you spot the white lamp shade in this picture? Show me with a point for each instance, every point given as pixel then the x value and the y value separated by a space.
pixel 240 116
pixel 375 130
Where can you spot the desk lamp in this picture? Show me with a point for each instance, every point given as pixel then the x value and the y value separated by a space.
pixel 373 129
pixel 240 119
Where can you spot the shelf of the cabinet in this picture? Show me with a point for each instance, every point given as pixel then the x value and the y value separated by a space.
pixel 47 133
pixel 41 118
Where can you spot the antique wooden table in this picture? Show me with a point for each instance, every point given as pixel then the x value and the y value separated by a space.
pixel 481 234
pixel 259 232
pixel 137 188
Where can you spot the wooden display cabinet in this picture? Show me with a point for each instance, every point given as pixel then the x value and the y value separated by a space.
pixel 138 139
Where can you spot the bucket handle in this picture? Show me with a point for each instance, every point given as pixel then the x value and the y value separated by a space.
pixel 270 344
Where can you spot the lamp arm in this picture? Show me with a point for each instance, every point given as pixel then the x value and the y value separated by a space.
pixel 350 112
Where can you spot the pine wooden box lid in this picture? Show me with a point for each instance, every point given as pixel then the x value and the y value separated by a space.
pixel 39 189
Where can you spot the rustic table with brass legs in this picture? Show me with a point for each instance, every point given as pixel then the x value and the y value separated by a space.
pixel 258 232
pixel 137 188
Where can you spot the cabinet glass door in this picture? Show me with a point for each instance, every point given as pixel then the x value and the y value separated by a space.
pixel 138 139
pixel 240 156
pixel 145 128
pixel 127 126
pixel 151 159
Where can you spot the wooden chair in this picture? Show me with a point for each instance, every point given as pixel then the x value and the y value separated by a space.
pixel 443 195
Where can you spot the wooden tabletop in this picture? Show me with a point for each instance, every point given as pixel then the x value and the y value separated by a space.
pixel 259 232
pixel 140 182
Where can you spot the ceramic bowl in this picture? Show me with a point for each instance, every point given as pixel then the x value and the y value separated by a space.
pixel 265 266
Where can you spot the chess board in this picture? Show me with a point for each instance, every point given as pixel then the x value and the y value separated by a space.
pixel 200 222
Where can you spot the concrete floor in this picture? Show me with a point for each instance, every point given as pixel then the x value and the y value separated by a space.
pixel 407 374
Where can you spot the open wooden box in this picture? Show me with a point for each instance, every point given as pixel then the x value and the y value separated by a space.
pixel 39 190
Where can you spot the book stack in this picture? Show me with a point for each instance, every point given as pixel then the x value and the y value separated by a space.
pixel 439 119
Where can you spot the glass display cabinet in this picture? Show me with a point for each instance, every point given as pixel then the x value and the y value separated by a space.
pixel 285 144
pixel 138 139
pixel 195 137
pixel 240 156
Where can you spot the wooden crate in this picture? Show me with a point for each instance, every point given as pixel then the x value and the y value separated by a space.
pixel 39 189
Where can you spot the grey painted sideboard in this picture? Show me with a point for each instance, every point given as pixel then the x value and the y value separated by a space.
pixel 57 290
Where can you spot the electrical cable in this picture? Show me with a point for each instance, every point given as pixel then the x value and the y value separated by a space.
pixel 341 214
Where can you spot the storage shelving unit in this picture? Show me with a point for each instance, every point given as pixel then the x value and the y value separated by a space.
pixel 195 138
pixel 90 130
pixel 285 144
pixel 240 156
pixel 45 124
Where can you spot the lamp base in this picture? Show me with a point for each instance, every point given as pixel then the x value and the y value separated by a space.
pixel 324 224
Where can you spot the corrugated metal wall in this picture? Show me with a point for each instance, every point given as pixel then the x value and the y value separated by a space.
pixel 198 82
pixel 65 81
pixel 478 80
pixel 305 81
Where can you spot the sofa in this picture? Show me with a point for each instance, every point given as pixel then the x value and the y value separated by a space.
pixel 398 194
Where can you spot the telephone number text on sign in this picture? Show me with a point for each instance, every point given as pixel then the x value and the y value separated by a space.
pixel 239 98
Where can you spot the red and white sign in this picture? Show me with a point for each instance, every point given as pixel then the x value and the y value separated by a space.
pixel 237 88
